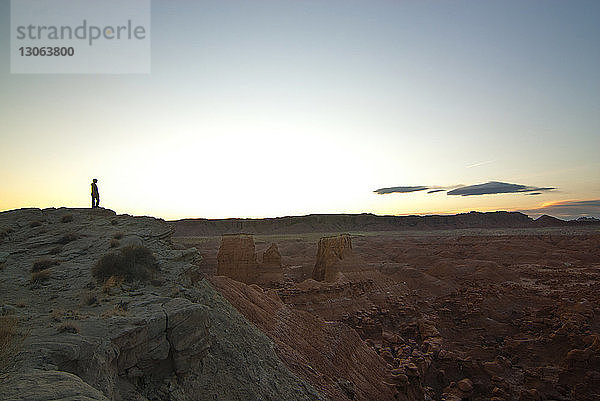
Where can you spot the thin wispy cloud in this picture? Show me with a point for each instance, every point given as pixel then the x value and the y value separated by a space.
pixel 480 163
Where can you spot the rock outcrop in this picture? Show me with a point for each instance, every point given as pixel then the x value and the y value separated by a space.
pixel 170 338
pixel 237 258
pixel 331 251
pixel 270 271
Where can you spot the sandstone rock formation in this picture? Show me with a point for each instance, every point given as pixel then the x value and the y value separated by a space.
pixel 330 252
pixel 331 356
pixel 237 258
pixel 270 271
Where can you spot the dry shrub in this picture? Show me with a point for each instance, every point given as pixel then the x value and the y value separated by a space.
pixel 118 235
pixel 43 264
pixel 57 315
pixel 90 299
pixel 42 275
pixel 65 239
pixel 35 224
pixel 68 327
pixel 131 263
pixel 110 283
pixel 67 218
pixel 114 243
pixel 11 340
pixel 120 309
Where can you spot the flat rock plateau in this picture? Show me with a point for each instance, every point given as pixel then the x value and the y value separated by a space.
pixel 479 306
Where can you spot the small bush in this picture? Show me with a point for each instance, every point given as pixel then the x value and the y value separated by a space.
pixel 68 327
pixel 67 218
pixel 11 340
pixel 118 235
pixel 39 276
pixel 131 263
pixel 90 299
pixel 34 224
pixel 65 239
pixel 110 283
pixel 114 243
pixel 43 264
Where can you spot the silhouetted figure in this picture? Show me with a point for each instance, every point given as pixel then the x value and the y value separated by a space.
pixel 95 194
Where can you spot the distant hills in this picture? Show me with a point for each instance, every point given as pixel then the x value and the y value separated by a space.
pixel 367 222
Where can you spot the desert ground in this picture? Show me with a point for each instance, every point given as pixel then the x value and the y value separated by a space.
pixel 477 314
pixel 100 306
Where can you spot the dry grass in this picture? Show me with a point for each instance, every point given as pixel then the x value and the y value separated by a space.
pixel 11 341
pixel 68 327
pixel 90 299
pixel 65 239
pixel 39 276
pixel 131 263
pixel 43 264
pixel 114 243
pixel 120 309
pixel 111 283
pixel 67 218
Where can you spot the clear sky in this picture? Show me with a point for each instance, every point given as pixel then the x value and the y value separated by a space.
pixel 272 108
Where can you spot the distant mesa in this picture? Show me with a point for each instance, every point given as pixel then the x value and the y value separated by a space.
pixel 549 221
pixel 331 251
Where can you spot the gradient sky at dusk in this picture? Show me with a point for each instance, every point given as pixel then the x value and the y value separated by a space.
pixel 271 108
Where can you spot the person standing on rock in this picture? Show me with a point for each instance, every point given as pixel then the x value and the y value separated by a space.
pixel 95 194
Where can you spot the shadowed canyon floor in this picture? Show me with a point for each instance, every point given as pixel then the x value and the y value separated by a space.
pixel 471 314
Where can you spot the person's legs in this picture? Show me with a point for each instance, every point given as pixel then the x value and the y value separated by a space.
pixel 97 200
pixel 93 202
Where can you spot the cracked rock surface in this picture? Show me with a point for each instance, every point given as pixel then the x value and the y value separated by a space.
pixel 170 338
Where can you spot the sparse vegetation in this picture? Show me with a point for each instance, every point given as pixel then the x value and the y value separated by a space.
pixel 68 327
pixel 65 239
pixel 11 340
pixel 35 223
pixel 114 243
pixel 39 276
pixel 43 264
pixel 67 218
pixel 118 235
pixel 131 263
pixel 110 283
pixel 90 299
pixel 120 309
pixel 57 315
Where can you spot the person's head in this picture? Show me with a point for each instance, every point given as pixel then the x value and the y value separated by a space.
pixel 94 180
